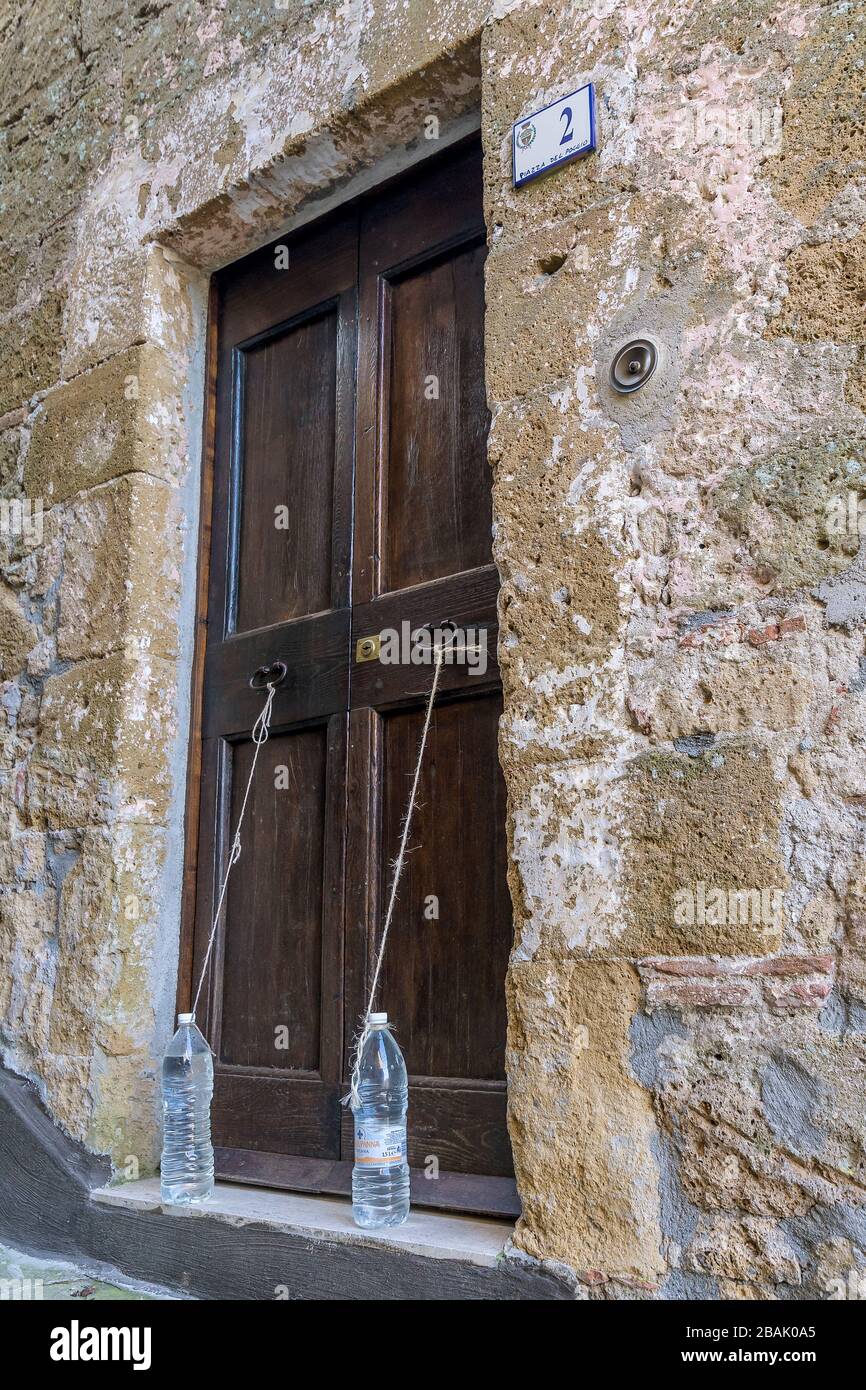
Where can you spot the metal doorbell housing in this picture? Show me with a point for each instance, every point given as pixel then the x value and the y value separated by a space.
pixel 633 364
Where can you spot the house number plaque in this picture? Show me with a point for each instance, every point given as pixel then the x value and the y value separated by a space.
pixel 559 132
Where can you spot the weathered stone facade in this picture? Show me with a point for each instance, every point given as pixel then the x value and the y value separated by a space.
pixel 683 579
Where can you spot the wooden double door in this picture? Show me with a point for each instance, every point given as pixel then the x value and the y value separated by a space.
pixel 351 495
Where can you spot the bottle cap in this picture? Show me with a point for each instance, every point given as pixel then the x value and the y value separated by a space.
pixel 378 1018
pixel 185 1018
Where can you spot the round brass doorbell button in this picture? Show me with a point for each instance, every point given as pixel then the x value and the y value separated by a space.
pixel 633 366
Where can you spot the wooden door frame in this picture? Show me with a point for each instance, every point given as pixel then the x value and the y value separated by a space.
pixel 454 1191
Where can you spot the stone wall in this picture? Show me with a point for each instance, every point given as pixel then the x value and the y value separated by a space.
pixel 684 589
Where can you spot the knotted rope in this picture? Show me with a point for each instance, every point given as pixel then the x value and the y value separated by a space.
pixel 353 1099
pixel 260 732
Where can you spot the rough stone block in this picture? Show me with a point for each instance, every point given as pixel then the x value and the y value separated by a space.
pixel 17 634
pixel 704 872
pixel 565 817
pixel 107 934
pixel 120 418
pixel 113 718
pixel 751 1250
pixel 59 800
pixel 27 965
pixel 723 676
pixel 823 140
pixel 539 300
pixel 581 1126
pixel 516 55
pixel 789 509
pixel 120 572
pixel 826 292
pixel 30 350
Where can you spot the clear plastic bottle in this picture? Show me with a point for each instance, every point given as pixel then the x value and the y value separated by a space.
pixel 380 1177
pixel 186 1170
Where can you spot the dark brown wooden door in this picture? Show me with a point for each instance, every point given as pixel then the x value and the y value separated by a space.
pixel 351 495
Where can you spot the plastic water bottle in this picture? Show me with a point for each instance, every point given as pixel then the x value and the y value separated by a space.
pixel 186 1170
pixel 380 1177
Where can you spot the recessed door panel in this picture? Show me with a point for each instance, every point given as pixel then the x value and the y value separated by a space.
pixel 444 972
pixel 437 505
pixel 272 959
pixel 286 396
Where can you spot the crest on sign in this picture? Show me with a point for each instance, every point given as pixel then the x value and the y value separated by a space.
pixel 562 131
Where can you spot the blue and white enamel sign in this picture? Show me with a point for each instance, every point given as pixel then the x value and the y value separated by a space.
pixel 561 131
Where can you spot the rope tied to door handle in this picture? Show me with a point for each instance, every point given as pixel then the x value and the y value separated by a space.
pixel 353 1099
pixel 268 678
pixel 260 733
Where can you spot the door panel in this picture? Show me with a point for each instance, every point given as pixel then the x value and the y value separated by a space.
pixel 317 681
pixel 268 1113
pixel 465 1130
pixel 267 310
pixel 278 961
pixel 422 555
pixel 288 402
pixel 437 504
pixel 439 967
pixel 442 981
pixel 274 927
pixel 284 425
pixel 468 599
pixel 424 231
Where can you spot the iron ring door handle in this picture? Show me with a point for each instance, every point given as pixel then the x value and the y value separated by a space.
pixel 274 675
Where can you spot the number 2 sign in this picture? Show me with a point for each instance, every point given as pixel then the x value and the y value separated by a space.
pixel 558 132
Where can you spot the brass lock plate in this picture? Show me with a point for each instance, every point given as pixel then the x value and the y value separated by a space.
pixel 367 648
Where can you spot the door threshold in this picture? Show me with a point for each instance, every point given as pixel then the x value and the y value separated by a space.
pixel 435 1235
pixel 467 1193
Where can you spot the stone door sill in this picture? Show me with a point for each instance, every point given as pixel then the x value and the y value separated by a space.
pixel 436 1235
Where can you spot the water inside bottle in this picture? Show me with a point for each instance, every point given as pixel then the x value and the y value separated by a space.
pixel 380 1177
pixel 186 1169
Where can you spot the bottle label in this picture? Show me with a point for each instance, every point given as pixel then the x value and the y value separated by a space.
pixel 379 1144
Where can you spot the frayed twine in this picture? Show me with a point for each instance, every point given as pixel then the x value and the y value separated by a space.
pixel 260 731
pixel 353 1099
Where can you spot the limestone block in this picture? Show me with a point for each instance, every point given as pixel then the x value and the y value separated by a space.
pixel 120 418
pixel 766 1115
pixel 564 875
pixel 716 680
pixel 113 718
pixel 581 1126
pixel 22 858
pixel 125 1120
pixel 17 634
pixel 107 934
pixel 120 572
pixel 59 800
pixel 826 292
pixel 853 973
pixel 704 873
pixel 752 1250
pixel 789 509
pixel 823 140
pixel 68 1091
pixel 527 57
pixel 27 962
pixel 408 39
pixel 10 466
pixel 539 301
pixel 30 350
